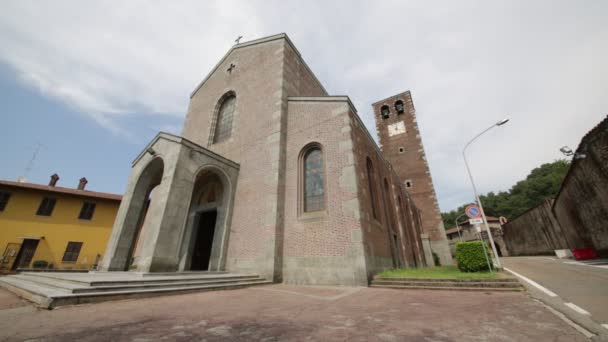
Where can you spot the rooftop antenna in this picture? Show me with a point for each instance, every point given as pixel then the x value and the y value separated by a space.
pixel 238 39
pixel 30 164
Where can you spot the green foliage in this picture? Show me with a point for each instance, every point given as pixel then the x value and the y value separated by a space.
pixel 541 183
pixel 40 264
pixel 441 272
pixel 470 256
pixel 436 259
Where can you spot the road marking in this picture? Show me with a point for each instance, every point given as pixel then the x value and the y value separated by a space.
pixel 577 309
pixel 579 328
pixel 533 283
pixel 599 265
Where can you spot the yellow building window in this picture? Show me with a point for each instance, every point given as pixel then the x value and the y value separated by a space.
pixel 46 206
pixel 4 196
pixel 72 251
pixel 86 213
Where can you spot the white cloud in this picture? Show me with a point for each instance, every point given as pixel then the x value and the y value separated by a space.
pixel 467 64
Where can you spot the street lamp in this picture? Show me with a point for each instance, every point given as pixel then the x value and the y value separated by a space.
pixel 483 214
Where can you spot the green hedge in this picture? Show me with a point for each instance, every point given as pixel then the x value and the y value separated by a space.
pixel 470 256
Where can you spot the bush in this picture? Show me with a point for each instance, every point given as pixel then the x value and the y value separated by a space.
pixel 470 256
pixel 40 264
pixel 436 259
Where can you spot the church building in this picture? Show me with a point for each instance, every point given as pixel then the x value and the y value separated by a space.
pixel 274 176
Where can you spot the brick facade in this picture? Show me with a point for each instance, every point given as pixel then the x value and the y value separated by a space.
pixel 280 110
pixel 402 146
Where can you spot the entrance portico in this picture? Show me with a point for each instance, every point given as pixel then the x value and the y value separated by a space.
pixel 176 230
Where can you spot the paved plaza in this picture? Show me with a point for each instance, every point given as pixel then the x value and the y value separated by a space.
pixel 293 313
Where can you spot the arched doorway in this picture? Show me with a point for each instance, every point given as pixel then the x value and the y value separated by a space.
pixel 139 205
pixel 206 234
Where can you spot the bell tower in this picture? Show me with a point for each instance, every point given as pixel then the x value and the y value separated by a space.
pixel 402 146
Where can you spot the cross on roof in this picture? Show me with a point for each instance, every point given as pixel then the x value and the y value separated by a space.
pixel 238 39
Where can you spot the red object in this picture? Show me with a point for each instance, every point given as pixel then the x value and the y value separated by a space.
pixel 472 211
pixel 584 253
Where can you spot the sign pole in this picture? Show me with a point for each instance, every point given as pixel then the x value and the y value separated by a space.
pixel 483 215
pixel 474 213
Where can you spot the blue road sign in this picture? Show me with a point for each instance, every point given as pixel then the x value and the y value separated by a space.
pixel 473 211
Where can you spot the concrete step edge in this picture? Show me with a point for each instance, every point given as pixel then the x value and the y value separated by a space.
pixel 502 280
pixel 146 279
pixel 117 295
pixel 446 284
pixel 30 291
pixel 164 285
pixel 56 283
pixel 497 289
pixel 168 279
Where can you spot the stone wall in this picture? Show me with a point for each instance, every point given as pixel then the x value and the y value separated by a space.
pixel 535 232
pixel 581 205
pixel 578 216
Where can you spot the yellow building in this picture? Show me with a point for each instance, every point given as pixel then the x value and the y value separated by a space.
pixel 46 226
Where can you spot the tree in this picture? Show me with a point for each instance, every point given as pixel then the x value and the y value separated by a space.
pixel 542 182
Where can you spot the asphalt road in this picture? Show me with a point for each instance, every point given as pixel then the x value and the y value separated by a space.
pixel 583 284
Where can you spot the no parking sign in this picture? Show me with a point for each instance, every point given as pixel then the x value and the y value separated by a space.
pixel 473 211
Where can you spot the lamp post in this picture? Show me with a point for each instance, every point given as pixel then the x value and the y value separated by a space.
pixel 458 227
pixel 483 214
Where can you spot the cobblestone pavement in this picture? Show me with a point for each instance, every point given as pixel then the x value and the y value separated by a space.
pixel 293 313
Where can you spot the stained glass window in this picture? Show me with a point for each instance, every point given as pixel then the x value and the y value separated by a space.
pixel 223 127
pixel 314 181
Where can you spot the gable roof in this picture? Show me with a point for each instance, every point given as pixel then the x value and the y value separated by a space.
pixel 62 190
pixel 255 42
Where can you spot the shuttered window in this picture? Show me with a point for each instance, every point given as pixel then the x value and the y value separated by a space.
pixel 72 251
pixel 86 213
pixel 4 197
pixel 46 206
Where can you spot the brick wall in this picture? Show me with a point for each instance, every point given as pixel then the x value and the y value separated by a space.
pixel 405 151
pixel 322 247
pixel 404 219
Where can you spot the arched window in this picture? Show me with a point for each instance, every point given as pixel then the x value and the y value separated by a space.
pixel 399 107
pixel 385 112
pixel 223 125
pixel 314 180
pixel 371 183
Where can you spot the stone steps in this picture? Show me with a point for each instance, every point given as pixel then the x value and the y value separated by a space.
pixel 108 286
pixel 106 279
pixel 53 291
pixel 506 284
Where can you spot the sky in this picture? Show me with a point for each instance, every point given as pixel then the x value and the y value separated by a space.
pixel 85 86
